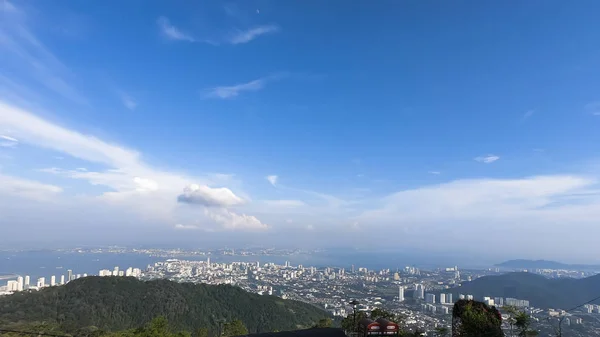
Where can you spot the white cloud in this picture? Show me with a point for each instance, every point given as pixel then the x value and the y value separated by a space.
pixel 32 129
pixel 209 197
pixel 490 158
pixel 181 226
pixel 27 188
pixel 481 198
pixel 6 141
pixel 128 102
pixel 225 92
pixel 233 221
pixel 245 36
pixel 272 179
pixel 435 172
pixel 171 32
pixel 10 139
pixel 134 185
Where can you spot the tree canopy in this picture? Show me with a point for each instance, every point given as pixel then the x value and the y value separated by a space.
pixel 123 303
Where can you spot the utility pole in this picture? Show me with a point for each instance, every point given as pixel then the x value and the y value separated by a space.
pixel 354 304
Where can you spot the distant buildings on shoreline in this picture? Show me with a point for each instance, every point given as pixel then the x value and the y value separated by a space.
pixel 24 283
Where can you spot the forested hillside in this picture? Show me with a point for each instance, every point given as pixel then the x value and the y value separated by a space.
pixel 540 291
pixel 120 303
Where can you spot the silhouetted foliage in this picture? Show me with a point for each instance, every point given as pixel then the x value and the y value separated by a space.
pixel 121 303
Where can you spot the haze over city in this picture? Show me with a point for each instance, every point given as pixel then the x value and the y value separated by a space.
pixel 397 125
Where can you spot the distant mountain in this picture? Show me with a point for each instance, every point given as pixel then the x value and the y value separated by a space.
pixel 119 303
pixel 562 293
pixel 543 264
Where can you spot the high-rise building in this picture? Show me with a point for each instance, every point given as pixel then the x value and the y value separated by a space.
pixel 461 296
pixel 488 300
pixel 129 271
pixel 419 291
pixel 62 279
pixel 69 275
pixel 430 298
pixel 52 280
pixel 470 297
pixel 396 277
pixel 499 301
pixel 115 271
pixel 20 284
pixel 400 294
pixel 27 280
pixel 121 273
pixel 442 298
pixel 449 298
pixel 12 285
pixel 41 282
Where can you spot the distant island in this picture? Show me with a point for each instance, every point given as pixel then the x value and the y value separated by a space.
pixel 544 264
pixel 560 293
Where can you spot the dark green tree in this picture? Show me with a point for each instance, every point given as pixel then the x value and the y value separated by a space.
pixel 234 328
pixel 523 324
pixel 511 312
pixel 348 322
pixel 475 319
pixel 442 331
pixel 380 313
pixel 201 332
pixel 324 323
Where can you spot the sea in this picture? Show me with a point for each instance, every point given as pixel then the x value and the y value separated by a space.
pixel 47 263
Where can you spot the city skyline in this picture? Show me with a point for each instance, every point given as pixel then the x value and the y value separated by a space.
pixel 246 123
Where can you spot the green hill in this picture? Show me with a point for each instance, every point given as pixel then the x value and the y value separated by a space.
pixel 541 292
pixel 119 303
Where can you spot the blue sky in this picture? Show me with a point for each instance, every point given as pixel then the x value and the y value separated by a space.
pixel 302 123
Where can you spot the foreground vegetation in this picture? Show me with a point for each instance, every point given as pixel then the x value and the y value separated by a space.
pixel 108 304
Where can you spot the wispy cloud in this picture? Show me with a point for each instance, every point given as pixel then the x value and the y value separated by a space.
pixel 232 91
pixel 593 108
pixel 186 227
pixel 24 52
pixel 27 189
pixel 132 183
pixel 245 36
pixel 529 113
pixel 171 32
pixel 284 203
pixel 272 179
pixel 490 158
pixel 435 172
pixel 128 101
pixel 225 92
pixel 6 141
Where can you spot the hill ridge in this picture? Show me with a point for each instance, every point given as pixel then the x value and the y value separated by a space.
pixel 541 292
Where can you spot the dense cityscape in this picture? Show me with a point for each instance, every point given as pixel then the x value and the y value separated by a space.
pixel 422 297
